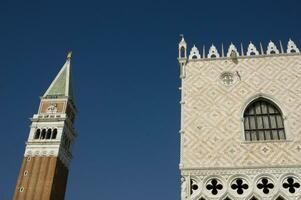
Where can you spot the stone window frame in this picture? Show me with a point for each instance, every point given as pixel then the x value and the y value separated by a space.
pixel 282 109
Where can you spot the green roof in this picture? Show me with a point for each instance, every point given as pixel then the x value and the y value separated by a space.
pixel 61 86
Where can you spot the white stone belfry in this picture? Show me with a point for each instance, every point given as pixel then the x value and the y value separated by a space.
pixel 240 125
pixel 272 48
pixel 292 47
pixel 213 53
pixel 194 53
pixel 52 132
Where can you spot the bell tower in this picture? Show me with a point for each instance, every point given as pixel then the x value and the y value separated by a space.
pixel 240 123
pixel 44 171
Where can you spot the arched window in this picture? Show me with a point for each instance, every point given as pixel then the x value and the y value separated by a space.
pixel 43 135
pixel 263 121
pixel 48 135
pixel 54 133
pixel 37 134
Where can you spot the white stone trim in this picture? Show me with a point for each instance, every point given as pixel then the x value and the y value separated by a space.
pixel 194 53
pixel 227 176
pixel 252 49
pixel 48 151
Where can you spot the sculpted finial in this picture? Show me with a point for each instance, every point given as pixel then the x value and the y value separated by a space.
pixel 69 55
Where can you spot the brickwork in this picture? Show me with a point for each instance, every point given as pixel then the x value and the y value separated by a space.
pixel 42 178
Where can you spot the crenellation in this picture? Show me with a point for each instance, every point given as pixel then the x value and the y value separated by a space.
pixel 251 50
pixel 213 53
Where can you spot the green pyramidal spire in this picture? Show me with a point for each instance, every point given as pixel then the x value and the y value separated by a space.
pixel 61 86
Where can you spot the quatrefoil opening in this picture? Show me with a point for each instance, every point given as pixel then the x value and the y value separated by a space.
pixel 265 185
pixel 239 185
pixel 291 185
pixel 214 186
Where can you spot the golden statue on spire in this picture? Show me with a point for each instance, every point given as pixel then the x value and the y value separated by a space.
pixel 69 55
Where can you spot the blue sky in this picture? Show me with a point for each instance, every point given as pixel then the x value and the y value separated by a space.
pixel 125 78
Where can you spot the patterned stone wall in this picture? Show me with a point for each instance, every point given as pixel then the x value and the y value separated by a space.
pixel 215 93
pixel 212 128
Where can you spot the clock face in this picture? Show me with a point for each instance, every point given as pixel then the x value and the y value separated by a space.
pixel 52 108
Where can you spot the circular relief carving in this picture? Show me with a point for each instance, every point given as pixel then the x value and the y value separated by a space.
pixel 291 184
pixel 227 78
pixel 214 186
pixel 52 108
pixel 265 185
pixel 239 185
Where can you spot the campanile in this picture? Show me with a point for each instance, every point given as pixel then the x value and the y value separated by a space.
pixel 44 171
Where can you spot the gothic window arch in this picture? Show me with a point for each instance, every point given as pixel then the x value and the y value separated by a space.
pixel 263 120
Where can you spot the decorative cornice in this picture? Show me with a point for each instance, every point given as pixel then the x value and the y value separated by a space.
pixel 64 156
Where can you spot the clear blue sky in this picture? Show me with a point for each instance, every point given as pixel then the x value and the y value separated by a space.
pixel 126 81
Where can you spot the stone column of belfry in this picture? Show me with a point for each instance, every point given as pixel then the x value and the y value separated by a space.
pixel 240 122
pixel 44 171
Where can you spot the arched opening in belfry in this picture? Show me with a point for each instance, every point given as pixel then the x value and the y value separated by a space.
pixel 37 134
pixel 43 135
pixel 48 135
pixel 54 133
